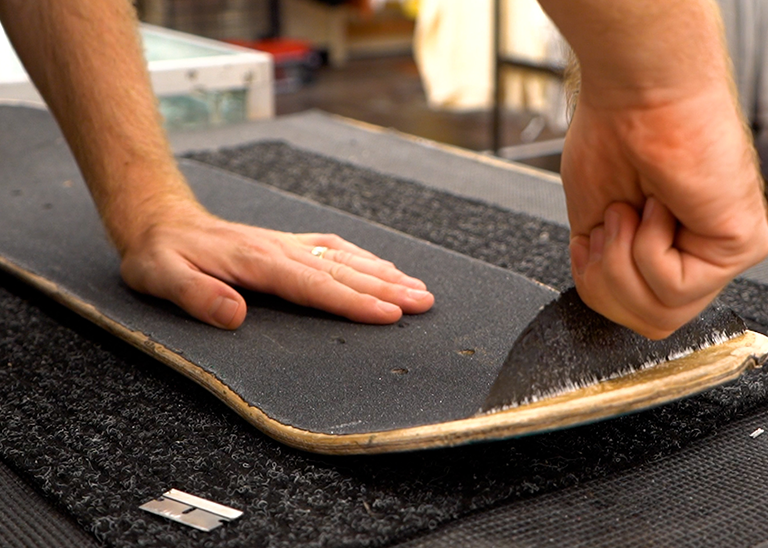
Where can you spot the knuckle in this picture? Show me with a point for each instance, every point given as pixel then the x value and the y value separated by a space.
pixel 613 279
pixel 141 270
pixel 314 281
pixel 341 256
pixel 671 294
pixel 337 271
pixel 186 288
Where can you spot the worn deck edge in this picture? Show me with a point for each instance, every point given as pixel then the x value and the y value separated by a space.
pixel 667 382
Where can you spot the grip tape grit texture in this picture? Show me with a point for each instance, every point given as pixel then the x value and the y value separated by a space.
pixel 99 428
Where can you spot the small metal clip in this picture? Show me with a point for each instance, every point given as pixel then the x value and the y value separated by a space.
pixel 191 510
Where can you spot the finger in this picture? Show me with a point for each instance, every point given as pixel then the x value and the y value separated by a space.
pixel 315 288
pixel 284 272
pixel 618 268
pixel 342 251
pixel 596 244
pixel 579 250
pixel 639 306
pixel 382 270
pixel 657 259
pixel 676 277
pixel 200 295
pixel 410 300
pixel 610 284
pixel 609 269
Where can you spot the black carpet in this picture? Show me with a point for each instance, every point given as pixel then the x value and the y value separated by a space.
pixel 28 520
pixel 100 428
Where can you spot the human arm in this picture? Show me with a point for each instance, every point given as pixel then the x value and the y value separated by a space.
pixel 664 195
pixel 85 59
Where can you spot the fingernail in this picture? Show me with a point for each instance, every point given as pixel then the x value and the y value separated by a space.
pixel 596 244
pixel 650 205
pixel 223 310
pixel 579 255
pixel 417 294
pixel 611 225
pixel 389 308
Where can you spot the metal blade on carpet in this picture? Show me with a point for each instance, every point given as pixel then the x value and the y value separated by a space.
pixel 569 346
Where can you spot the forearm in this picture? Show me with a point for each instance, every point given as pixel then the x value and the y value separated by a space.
pixel 655 48
pixel 85 58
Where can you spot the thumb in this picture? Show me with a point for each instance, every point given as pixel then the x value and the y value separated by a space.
pixel 218 304
pixel 201 296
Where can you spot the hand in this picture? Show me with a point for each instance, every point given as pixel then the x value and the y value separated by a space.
pixel 665 203
pixel 170 247
pixel 191 258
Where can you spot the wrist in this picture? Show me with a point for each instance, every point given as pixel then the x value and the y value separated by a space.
pixel 644 52
pixel 147 198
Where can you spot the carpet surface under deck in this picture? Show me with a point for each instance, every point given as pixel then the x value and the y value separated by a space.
pixel 99 428
pixel 28 520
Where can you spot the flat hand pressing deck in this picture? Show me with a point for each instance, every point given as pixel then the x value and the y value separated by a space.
pixel 306 378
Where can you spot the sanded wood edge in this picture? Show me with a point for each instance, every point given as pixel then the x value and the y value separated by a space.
pixel 654 386
pixel 453 149
pixel 664 383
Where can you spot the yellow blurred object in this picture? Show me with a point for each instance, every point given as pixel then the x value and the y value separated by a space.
pixel 410 8
pixel 453 48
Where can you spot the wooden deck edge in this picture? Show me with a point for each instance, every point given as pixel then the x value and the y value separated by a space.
pixel 654 386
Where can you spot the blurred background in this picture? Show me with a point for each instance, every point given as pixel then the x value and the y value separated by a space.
pixel 423 67
pixel 484 75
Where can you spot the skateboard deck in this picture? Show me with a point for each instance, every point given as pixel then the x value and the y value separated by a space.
pixel 306 378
